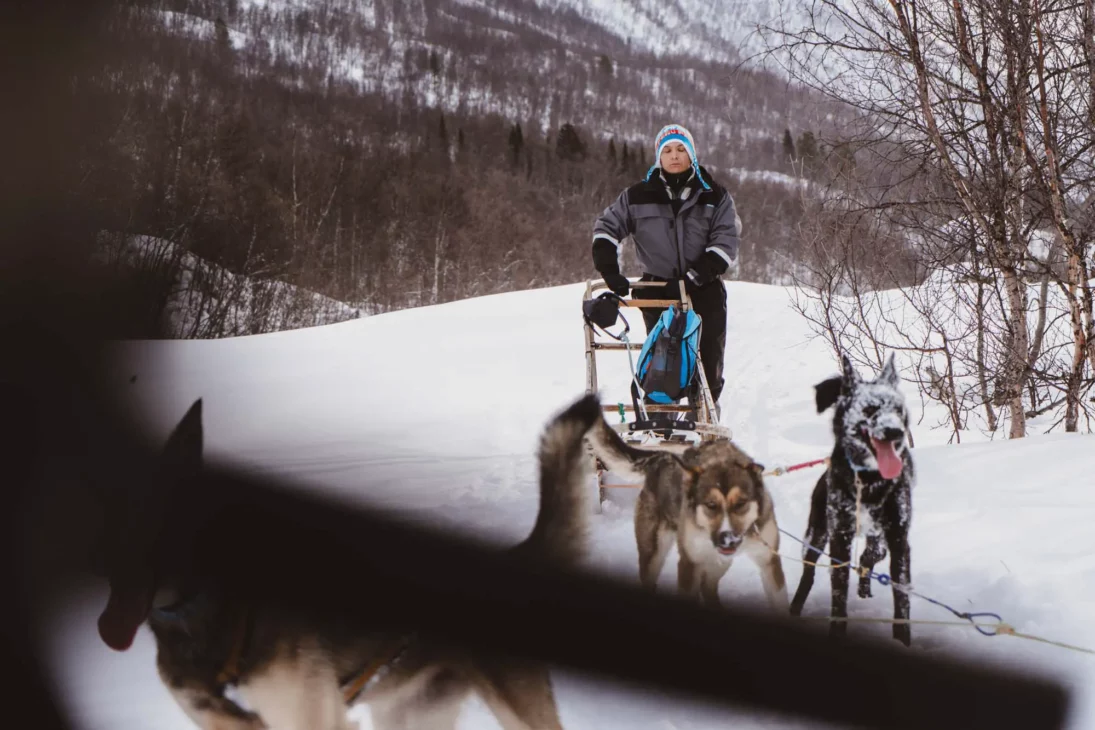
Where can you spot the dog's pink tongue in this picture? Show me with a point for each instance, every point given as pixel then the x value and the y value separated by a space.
pixel 889 463
pixel 123 615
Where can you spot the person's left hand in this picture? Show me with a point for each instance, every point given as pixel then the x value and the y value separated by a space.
pixel 707 269
pixel 696 278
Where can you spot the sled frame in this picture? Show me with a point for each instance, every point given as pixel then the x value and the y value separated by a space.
pixel 667 439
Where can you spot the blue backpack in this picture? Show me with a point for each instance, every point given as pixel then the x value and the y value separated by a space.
pixel 667 361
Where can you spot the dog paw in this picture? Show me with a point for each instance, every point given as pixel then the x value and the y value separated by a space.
pixel 903 633
pixel 865 589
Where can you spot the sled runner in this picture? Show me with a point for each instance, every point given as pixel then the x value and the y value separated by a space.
pixel 668 370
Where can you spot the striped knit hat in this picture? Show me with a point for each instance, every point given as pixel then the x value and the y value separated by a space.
pixel 676 133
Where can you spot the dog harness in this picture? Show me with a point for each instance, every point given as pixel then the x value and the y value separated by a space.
pixel 230 672
pixel 374 670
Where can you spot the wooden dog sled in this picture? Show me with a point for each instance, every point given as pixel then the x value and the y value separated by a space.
pixel 673 426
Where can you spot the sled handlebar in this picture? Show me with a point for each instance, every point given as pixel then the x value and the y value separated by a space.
pixel 641 303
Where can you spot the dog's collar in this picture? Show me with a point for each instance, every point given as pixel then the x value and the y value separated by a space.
pixel 181 611
pixel 375 670
pixel 230 671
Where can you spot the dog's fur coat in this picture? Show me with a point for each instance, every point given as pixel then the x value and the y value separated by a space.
pixel 290 675
pixel 711 499
pixel 871 426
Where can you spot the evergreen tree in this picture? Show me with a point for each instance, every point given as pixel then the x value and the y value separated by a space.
pixel 568 145
pixel 841 160
pixel 461 152
pixel 443 135
pixel 223 41
pixel 807 147
pixel 604 64
pixel 788 145
pixel 516 144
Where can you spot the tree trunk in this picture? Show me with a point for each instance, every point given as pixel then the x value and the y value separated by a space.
pixel 438 250
pixel 1017 356
pixel 1089 314
pixel 952 393
pixel 982 375
pixel 1080 347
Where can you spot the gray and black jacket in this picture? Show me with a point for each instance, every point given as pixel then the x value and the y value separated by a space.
pixel 669 244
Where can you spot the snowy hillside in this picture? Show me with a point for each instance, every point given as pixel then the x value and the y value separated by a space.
pixel 722 30
pixel 464 389
pixel 712 30
pixel 313 137
pixel 201 299
pixel 681 54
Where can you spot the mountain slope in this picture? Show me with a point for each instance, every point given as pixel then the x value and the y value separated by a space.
pixel 714 30
pixel 366 150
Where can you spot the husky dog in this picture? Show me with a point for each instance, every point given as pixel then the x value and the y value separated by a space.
pixel 711 499
pixel 871 456
pixel 289 674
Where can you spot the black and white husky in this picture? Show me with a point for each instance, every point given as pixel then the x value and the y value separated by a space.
pixel 871 457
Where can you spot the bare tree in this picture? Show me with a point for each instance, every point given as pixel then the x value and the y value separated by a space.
pixel 971 152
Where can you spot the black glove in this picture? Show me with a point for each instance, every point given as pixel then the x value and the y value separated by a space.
pixel 710 267
pixel 605 260
pixel 617 282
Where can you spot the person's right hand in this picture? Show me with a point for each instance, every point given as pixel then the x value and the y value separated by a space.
pixel 618 283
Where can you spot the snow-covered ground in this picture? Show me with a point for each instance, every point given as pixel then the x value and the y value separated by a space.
pixel 435 412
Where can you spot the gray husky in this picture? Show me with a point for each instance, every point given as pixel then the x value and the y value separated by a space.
pixel 709 499
pixel 871 456
pixel 231 668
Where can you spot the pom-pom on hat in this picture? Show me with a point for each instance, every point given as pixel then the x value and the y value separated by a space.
pixel 676 133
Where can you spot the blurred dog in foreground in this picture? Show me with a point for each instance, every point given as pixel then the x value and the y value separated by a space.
pixel 244 668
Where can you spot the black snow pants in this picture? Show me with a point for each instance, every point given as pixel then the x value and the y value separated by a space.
pixel 709 301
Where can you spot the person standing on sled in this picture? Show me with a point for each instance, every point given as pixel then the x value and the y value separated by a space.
pixel 684 225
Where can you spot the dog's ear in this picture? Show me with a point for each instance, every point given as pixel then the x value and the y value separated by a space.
pixel 851 377
pixel 182 454
pixel 889 373
pixel 756 473
pixel 690 461
pixel 136 520
pixel 827 392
